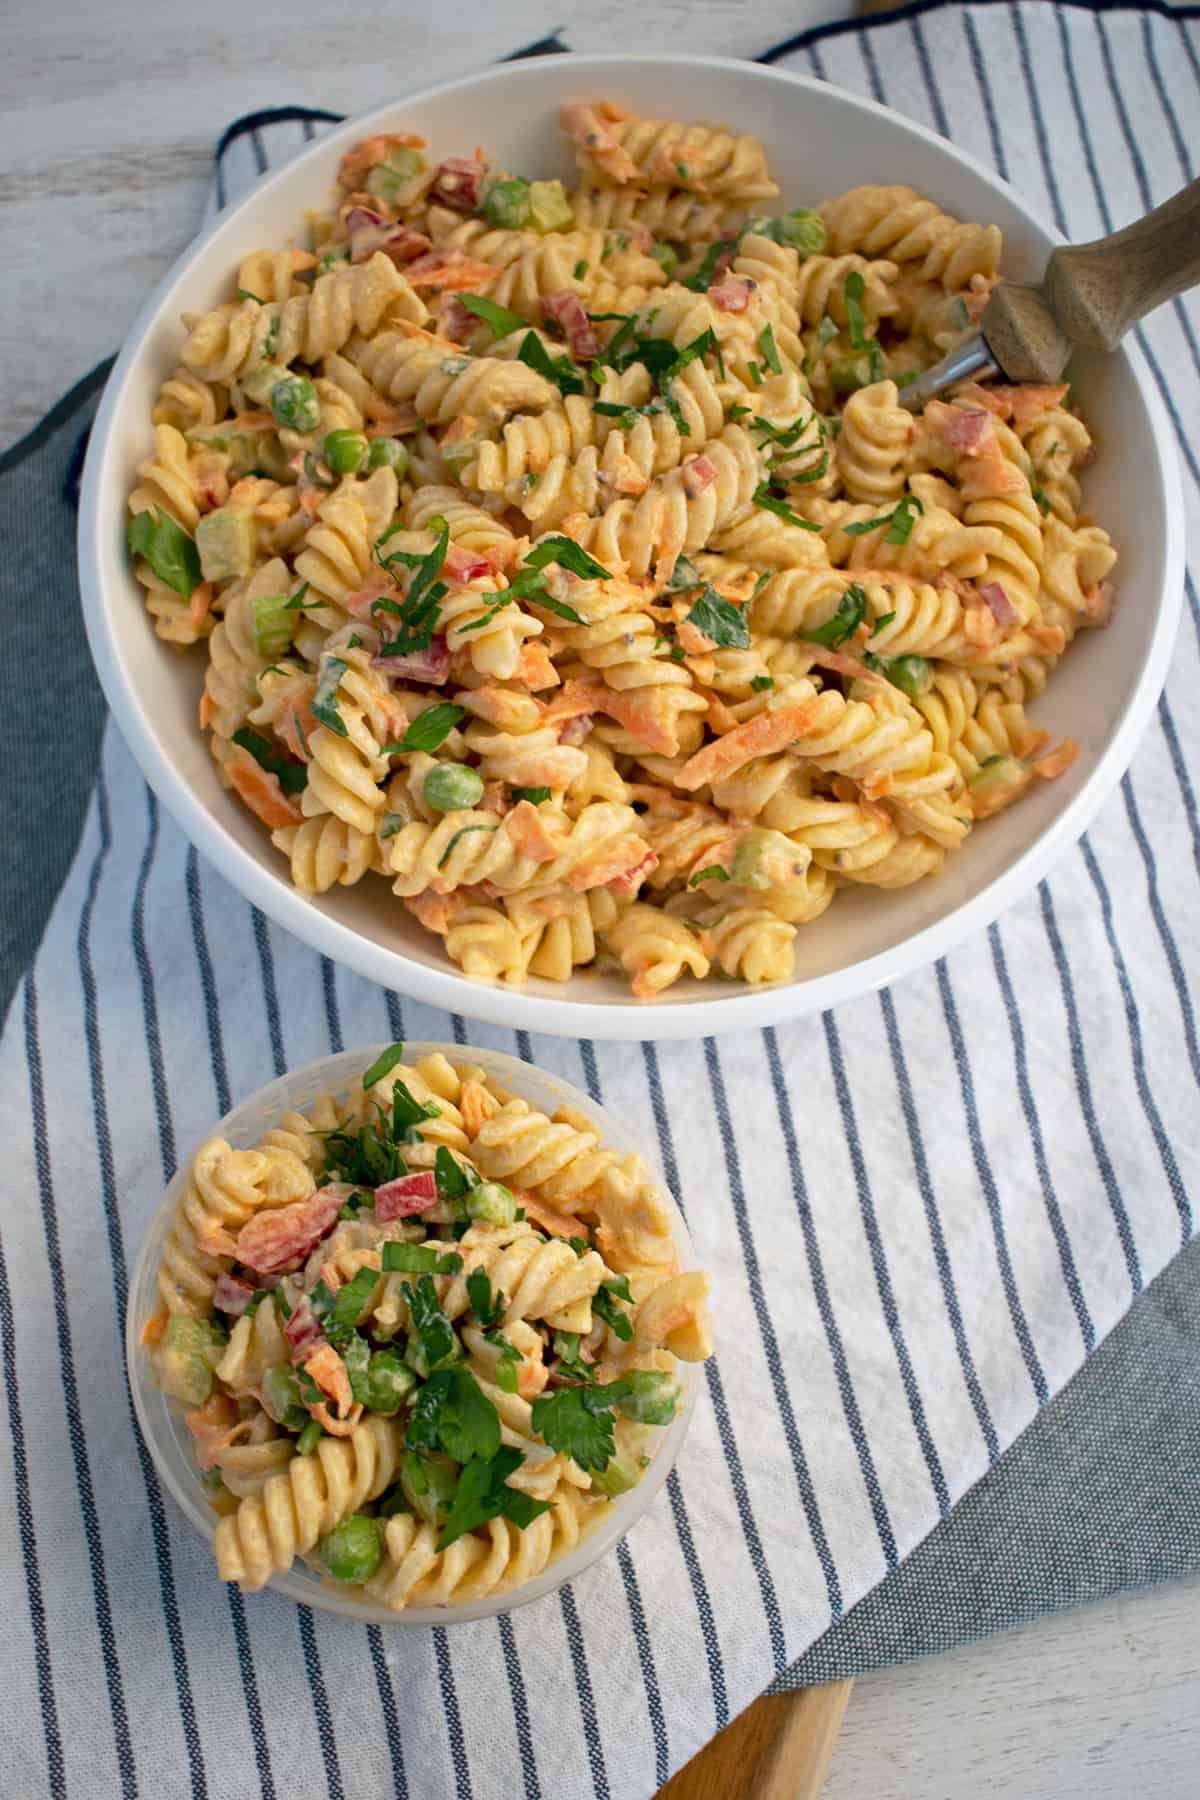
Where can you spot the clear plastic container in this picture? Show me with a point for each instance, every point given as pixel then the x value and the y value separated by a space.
pixel 161 1419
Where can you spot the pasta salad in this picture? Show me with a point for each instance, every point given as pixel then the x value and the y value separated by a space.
pixel 569 558
pixel 424 1336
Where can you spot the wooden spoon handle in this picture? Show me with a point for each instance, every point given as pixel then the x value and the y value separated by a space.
pixel 1093 293
pixel 1097 291
pixel 778 1749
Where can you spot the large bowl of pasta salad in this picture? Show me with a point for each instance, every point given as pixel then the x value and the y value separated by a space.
pixel 413 1334
pixel 519 572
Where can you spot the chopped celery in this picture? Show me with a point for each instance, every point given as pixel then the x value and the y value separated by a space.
pixel 226 540
pixel 274 622
pixel 387 180
pixel 549 208
pixel 184 1362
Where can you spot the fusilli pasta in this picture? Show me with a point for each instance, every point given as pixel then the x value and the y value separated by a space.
pixel 552 546
pixel 418 1325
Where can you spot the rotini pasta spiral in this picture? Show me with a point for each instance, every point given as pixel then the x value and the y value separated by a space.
pixel 700 159
pixel 898 223
pixel 309 1496
pixel 226 342
pixel 873 444
pixel 655 949
pixel 441 383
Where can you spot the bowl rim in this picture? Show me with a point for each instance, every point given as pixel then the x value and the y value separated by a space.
pixel 617 1019
pixel 155 1411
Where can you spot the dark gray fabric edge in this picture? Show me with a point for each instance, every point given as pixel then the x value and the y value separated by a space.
pixel 50 750
pixel 1101 1493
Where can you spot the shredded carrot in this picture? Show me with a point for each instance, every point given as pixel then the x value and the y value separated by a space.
pixel 155 1325
pixel 535 669
pixel 206 709
pixel 558 1224
pixel 200 604
pixel 261 792
pixel 465 276
pixel 760 736
pixel 475 1105
pixel 329 1372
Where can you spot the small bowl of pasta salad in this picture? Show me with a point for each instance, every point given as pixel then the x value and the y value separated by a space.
pixel 412 1336
pixel 525 577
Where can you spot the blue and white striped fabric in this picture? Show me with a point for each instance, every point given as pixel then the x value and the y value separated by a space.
pixel 922 1210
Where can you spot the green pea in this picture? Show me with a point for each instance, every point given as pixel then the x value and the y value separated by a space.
pixel 388 453
pixel 281 1397
pixel 295 403
pixel 345 451
pixel 353 1550
pixel 389 1382
pixel 803 230
pixel 388 179
pixel 507 205
pixel 492 1204
pixel 451 786
pixel 911 674
pixel 650 1397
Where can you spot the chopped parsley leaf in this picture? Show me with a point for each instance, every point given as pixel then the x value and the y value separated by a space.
pixel 498 319
pixel 684 575
pixel 324 705
pixel 482 1493
pixel 454 1179
pixel 487 1310
pixel 578 1421
pixel 708 267
pixel 558 369
pixel 462 832
pixel 604 1305
pixel 429 729
pixel 417 1259
pixel 452 1413
pixel 292 777
pixel 168 549
pixel 856 318
pixel 430 1326
pixel 720 620
pixel 762 496
pixel 383 1065
pixel 851 611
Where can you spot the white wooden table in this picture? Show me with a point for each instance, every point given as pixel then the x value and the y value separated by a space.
pixel 111 116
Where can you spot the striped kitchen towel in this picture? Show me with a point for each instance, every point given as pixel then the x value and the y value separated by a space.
pixel 922 1210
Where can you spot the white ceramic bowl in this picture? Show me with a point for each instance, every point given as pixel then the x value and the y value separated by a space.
pixel 161 1419
pixel 819 141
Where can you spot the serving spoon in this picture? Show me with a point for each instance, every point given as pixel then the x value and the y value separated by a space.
pixel 1090 295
